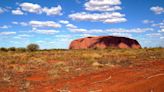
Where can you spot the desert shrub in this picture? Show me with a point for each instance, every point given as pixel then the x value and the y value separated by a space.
pixel 56 69
pixel 145 47
pixel 33 47
pixel 12 49
pixel 122 61
pixel 20 49
pixel 97 48
pixel 160 47
pixel 3 49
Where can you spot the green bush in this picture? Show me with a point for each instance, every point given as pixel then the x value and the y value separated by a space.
pixel 21 49
pixel 3 49
pixel 33 47
pixel 12 49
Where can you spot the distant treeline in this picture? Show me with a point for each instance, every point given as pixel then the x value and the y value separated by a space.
pixel 35 47
pixel 30 47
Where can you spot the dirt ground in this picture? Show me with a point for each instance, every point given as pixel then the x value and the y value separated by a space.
pixel 145 77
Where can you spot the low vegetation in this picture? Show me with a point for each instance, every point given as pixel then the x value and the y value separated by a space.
pixel 33 47
pixel 30 47
pixel 17 65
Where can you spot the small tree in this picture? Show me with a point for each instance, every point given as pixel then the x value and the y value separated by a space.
pixel 3 49
pixel 12 49
pixel 33 47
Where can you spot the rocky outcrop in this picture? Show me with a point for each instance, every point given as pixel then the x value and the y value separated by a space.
pixel 104 42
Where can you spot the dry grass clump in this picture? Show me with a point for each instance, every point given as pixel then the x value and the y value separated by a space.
pixel 56 69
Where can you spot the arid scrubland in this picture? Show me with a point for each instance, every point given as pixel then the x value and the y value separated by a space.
pixel 18 67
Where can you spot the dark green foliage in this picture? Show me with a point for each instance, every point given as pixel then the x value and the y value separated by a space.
pixel 12 49
pixel 21 49
pixel 3 49
pixel 33 47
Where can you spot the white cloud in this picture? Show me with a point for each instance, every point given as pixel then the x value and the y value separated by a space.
pixel 24 35
pixel 20 23
pixel 157 9
pixel 36 8
pixel 162 27
pixel 41 41
pixel 106 7
pixel 7 33
pixel 1 10
pixel 71 26
pixel 6 9
pixel 51 24
pixel 162 37
pixel 74 28
pixel 95 31
pixel 4 27
pixel 39 24
pixel 148 21
pixel 104 2
pixel 162 30
pixel 78 30
pixel 159 25
pixel 41 31
pixel 103 8
pixel 64 21
pixel 154 34
pixel 17 37
pixel 115 20
pixel 134 30
pixel 114 17
pixel 53 10
pixel 23 24
pixel 102 5
pixel 32 8
pixel 86 35
pixel 17 12
pixel 15 22
pixel 122 34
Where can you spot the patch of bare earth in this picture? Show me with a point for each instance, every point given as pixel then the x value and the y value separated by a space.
pixel 145 77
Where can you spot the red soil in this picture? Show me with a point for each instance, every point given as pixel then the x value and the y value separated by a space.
pixel 146 77
pixel 36 78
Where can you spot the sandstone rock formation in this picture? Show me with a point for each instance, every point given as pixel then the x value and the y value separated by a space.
pixel 104 42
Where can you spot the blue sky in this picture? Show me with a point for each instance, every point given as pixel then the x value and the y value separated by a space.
pixel 55 23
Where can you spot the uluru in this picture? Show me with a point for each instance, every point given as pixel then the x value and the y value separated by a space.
pixel 103 42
